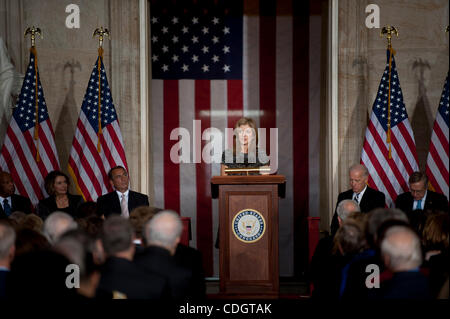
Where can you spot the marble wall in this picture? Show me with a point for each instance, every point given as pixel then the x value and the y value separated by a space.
pixel 422 57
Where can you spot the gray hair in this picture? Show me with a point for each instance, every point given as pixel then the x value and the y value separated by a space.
pixel 164 229
pixel 7 239
pixel 359 167
pixel 346 207
pixel 402 245
pixel 117 235
pixel 56 224
pixel 379 216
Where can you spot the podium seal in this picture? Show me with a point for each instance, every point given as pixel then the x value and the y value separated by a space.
pixel 249 225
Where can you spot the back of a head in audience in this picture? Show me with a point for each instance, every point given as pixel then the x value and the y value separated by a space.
pixel 164 230
pixel 34 222
pixel 379 216
pixel 117 237
pixel 79 248
pixel 400 249
pixel 56 224
pixel 39 275
pixel 87 209
pixel 7 245
pixel 345 208
pixel 18 216
pixel 28 240
pixel 435 234
pixel 349 238
pixel 140 216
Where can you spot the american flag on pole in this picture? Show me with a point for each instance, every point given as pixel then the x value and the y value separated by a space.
pixel 215 62
pixel 97 144
pixel 389 149
pixel 437 161
pixel 29 150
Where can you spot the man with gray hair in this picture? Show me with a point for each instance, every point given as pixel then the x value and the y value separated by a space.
pixel 56 224
pixel 366 197
pixel 119 275
pixel 345 208
pixel 402 255
pixel 7 249
pixel 162 234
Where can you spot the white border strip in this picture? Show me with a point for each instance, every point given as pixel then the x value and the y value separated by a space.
pixel 144 88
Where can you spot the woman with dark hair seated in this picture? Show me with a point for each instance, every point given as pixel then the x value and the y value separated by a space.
pixel 57 187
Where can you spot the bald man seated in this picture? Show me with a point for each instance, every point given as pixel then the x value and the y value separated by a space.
pixel 366 197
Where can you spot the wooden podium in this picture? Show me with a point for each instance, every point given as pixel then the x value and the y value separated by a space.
pixel 248 219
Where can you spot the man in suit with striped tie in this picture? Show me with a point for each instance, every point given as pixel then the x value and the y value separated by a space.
pixel 122 200
pixel 366 197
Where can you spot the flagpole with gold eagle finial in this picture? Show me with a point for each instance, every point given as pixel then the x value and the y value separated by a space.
pixel 388 31
pixel 33 32
pixel 101 33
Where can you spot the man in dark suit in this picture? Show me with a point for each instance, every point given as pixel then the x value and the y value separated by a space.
pixel 10 202
pixel 402 255
pixel 122 200
pixel 419 198
pixel 162 234
pixel 119 275
pixel 366 197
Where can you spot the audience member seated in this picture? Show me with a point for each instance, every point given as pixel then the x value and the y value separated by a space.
pixel 10 202
pixel 191 258
pixel 39 275
pixel 78 246
pixel 56 224
pixel 356 270
pixel 28 240
pixel 138 218
pixel 435 240
pixel 7 249
pixel 57 186
pixel 119 275
pixel 162 235
pixel 325 245
pixel 33 222
pixel 17 216
pixel 402 255
pixel 122 200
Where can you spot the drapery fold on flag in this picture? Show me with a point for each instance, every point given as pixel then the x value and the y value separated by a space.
pixel 215 62
pixel 438 159
pixel 29 150
pixel 97 144
pixel 389 149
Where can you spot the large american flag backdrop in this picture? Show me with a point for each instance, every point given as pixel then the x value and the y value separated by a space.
pixel 97 144
pixel 216 61
pixel 392 160
pixel 29 150
pixel 438 159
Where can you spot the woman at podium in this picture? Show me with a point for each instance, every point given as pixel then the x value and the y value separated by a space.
pixel 245 153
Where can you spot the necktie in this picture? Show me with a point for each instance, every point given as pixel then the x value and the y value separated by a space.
pixel 124 206
pixel 357 198
pixel 6 207
pixel 419 204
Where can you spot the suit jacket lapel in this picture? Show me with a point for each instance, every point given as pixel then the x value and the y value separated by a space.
pixel 116 202
pixel 130 201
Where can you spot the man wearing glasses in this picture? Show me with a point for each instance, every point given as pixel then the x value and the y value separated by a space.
pixel 419 197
